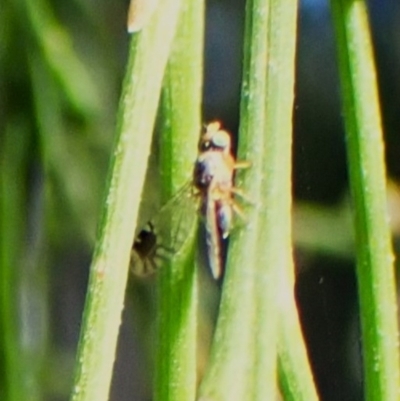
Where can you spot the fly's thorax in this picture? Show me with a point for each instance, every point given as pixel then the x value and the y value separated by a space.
pixel 213 167
pixel 204 169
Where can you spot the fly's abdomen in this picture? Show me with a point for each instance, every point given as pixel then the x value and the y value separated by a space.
pixel 224 218
pixel 213 239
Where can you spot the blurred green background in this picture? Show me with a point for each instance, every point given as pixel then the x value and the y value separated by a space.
pixel 61 68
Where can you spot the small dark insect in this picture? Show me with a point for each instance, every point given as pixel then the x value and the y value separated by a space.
pixel 145 253
pixel 165 234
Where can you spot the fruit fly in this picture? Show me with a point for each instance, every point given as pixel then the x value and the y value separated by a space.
pixel 211 192
pixel 213 178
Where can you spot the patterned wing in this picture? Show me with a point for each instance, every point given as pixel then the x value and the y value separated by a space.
pixel 165 234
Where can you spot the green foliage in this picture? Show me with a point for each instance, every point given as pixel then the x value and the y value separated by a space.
pixel 375 274
pixel 59 84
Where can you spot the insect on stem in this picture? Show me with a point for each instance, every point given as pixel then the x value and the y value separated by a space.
pixel 212 191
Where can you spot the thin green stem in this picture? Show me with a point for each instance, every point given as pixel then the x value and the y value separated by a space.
pixel 295 375
pixel 294 369
pixel 376 282
pixel 274 246
pixel 109 270
pixel 229 375
pixel 245 343
pixel 54 45
pixel 177 283
pixel 22 359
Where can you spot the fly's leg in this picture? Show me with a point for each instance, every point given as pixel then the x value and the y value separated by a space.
pixel 241 194
pixel 241 165
pixel 147 263
pixel 238 211
pixel 238 192
pixel 235 206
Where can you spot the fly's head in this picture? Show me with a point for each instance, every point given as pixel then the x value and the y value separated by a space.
pixel 146 241
pixel 215 139
pixel 143 251
pixel 215 163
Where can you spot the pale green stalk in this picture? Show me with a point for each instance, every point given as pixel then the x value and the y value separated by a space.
pixel 294 369
pixel 230 374
pixel 176 346
pixel 109 270
pixel 22 293
pixel 365 152
pixel 243 360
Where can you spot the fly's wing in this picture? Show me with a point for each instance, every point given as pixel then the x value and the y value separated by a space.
pixel 165 234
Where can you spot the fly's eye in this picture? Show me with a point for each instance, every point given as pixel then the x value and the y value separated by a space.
pixel 215 139
pixel 206 145
pixel 220 140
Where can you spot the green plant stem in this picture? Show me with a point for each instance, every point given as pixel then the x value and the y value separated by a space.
pixel 11 201
pixel 229 375
pixel 175 377
pixel 64 158
pixel 294 370
pixel 245 341
pixel 295 375
pixel 19 294
pixel 109 270
pixel 274 245
pixel 55 46
pixel 376 282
